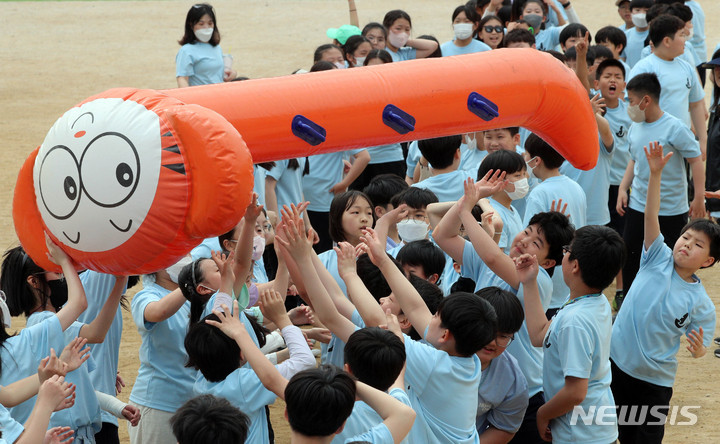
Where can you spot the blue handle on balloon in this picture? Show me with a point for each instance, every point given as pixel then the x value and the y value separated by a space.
pixel 308 130
pixel 482 107
pixel 398 119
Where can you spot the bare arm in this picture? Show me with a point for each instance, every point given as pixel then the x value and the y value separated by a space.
pixel 270 197
pixel 96 330
pixel 160 310
pixel 77 302
pixel 423 48
pixel 656 161
pixel 493 435
pixel 697 116
pixel 537 323
pixel 183 81
pixel 353 13
pixel 366 305
pixel 397 417
pixel 697 206
pixel 358 166
pixel 622 199
pixel 570 395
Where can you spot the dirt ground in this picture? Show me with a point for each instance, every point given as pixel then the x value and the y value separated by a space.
pixel 56 54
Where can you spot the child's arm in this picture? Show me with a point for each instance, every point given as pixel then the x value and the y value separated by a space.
pixel 24 389
pixel 96 330
pixel 436 211
pixel 656 162
pixel 299 247
pixel 570 395
pixel 537 323
pixel 491 254
pixel 698 115
pixel 423 48
pixel 360 161
pixel 353 14
pixel 54 394
pixel 410 301
pixel 446 234
pixel 244 245
pixel 622 199
pixel 167 306
pixel 581 49
pixel 697 206
pixel 366 305
pixel 696 348
pixel 117 408
pixel 77 302
pixel 231 325
pixel 270 196
pixel 397 417
pixel 605 132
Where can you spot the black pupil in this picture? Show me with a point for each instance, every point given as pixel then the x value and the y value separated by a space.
pixel 124 175
pixel 70 188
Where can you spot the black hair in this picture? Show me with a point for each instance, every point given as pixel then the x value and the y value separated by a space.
pixel 353 43
pixel 611 34
pixel 558 232
pixel 330 392
pixel 536 147
pixel 425 254
pixel 600 252
pixel 17 266
pixel 557 54
pixel 372 277
pixel 373 25
pixel 608 63
pixel 430 294
pixel 230 235
pixel 322 65
pixel 471 320
pixel 681 11
pixel 320 50
pixel 209 419
pixel 504 13
pixel 664 26
pixel 438 51
pixel 509 310
pixel 194 15
pixel 601 52
pixel 489 18
pixel 469 11
pixel 341 203
pixel 375 356
pixel 189 278
pixel 641 4
pixel 645 84
pixel 392 16
pixel 415 198
pixel 518 6
pixel 518 35
pixel 463 284
pixel 293 164
pixel 383 187
pixel 711 230
pixel 655 11
pixel 574 30
pixel 381 54
pixel 571 54
pixel 502 160
pixel 440 151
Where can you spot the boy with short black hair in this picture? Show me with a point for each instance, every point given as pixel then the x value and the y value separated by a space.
pixel 423 259
pixel 615 40
pixel 502 139
pixel 636 35
pixel 518 38
pixel 653 124
pixel 576 342
pixel 209 419
pixel 668 300
pixel 624 13
pixel 572 34
pixel 380 190
pixel 416 225
pixel 443 154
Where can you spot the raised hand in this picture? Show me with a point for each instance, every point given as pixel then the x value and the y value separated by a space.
pixel 253 210
pixel 226 265
pixel 559 207
pixel 696 347
pixel 471 196
pixel 59 435
pixel 393 325
pixel 375 246
pixel 346 256
pixel 230 324
pixel 487 223
pixel 598 104
pixel 292 234
pixel 57 393
pixel 301 315
pixel 55 254
pixel 51 365
pixel 74 355
pixel 490 184
pixel 272 305
pixel 527 268
pixel 656 159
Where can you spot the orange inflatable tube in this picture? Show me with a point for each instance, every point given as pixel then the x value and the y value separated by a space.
pixel 128 181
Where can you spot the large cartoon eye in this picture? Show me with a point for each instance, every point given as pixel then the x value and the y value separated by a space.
pixel 59 182
pixel 113 177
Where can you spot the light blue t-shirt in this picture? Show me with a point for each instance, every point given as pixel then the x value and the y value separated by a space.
pixel 259 183
pixel 548 38
pixel 448 186
pixel 205 249
pixel 698 38
pixel 106 354
pixel 443 392
pixel 21 354
pixel 470 159
pixel 84 416
pixel 688 56
pixel 552 18
pixel 679 81
pixel 674 136
pixel 635 45
pixel 530 358
pixel 11 429
pixel 512 224
pixel 449 48
pixel 379 434
pixel 620 122
pixel 334 351
pixel 326 170
pixel 577 344
pixel 363 419
pixel 658 310
pixel 405 53
pixel 163 381
pixel 502 396
pixel 385 153
pixel 595 183
pixel 413 157
pixel 288 186
pixel 243 318
pixel 201 62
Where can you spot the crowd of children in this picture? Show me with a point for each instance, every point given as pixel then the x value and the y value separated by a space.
pixel 452 288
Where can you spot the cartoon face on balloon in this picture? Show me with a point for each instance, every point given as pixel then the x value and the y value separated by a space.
pixel 95 186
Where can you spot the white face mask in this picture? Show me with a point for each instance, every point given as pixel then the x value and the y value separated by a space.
pixel 174 270
pixel 398 39
pixel 412 230
pixel 636 114
pixel 258 247
pixel 521 189
pixel 204 34
pixel 360 61
pixel 339 65
pixel 639 20
pixel 531 173
pixel 463 30
pixel 471 143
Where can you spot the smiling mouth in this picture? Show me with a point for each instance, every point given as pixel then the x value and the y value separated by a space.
pixel 124 230
pixel 72 241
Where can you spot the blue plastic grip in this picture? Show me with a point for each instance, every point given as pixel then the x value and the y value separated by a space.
pixel 398 119
pixel 482 107
pixel 308 130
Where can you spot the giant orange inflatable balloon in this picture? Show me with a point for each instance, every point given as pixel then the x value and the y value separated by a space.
pixel 130 180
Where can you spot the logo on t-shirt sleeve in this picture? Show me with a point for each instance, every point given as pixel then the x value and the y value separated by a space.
pixel 679 323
